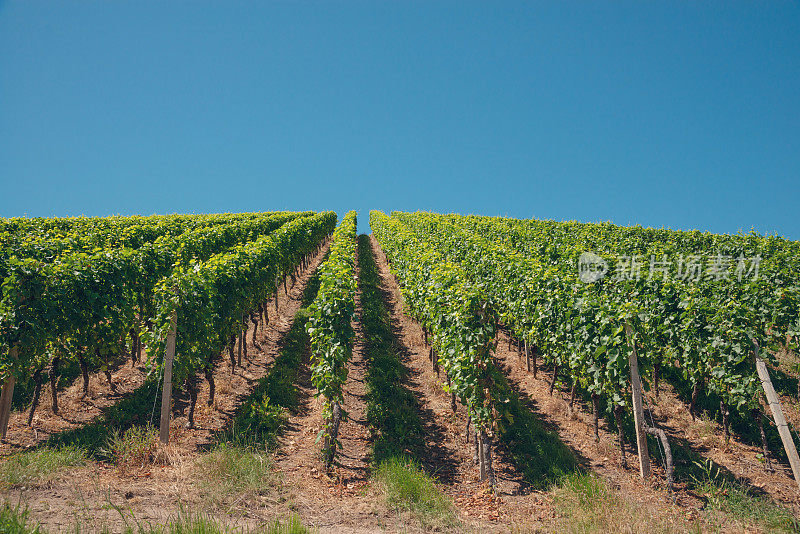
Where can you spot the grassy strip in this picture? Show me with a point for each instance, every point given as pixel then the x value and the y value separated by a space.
pixel 233 474
pixel 14 520
pixel 200 524
pixel 585 504
pixel 393 411
pixel 408 488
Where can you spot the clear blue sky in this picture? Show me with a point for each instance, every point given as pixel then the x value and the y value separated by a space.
pixel 684 115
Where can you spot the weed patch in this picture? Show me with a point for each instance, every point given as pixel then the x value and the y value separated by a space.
pixel 585 504
pixel 727 496
pixel 133 448
pixel 407 488
pixel 231 473
pixel 38 466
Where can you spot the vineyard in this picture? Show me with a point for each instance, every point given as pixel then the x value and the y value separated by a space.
pixel 447 373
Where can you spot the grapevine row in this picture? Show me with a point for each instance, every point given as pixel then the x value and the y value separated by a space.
pixel 130 232
pixel 212 300
pixel 707 330
pixel 458 320
pixel 329 327
pixel 84 305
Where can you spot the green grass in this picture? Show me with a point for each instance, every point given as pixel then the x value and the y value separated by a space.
pixel 38 466
pixel 407 488
pixel 292 526
pixel 231 473
pixel 198 524
pixel 735 501
pixel 14 520
pixel 392 410
pixel 193 523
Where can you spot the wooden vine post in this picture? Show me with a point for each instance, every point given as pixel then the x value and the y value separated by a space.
pixel 242 339
pixel 7 395
pixel 638 409
pixel 777 416
pixel 166 396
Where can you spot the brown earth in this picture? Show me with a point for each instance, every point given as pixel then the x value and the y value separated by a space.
pixel 340 500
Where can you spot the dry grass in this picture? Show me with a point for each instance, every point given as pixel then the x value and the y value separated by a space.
pixel 705 429
pixel 586 504
pixel 135 448
pixel 230 476
pixel 15 521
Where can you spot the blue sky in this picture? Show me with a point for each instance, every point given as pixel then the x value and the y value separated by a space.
pixel 684 115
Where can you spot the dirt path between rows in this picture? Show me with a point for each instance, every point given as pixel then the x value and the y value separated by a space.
pixel 346 500
pixel 447 455
pixel 341 500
